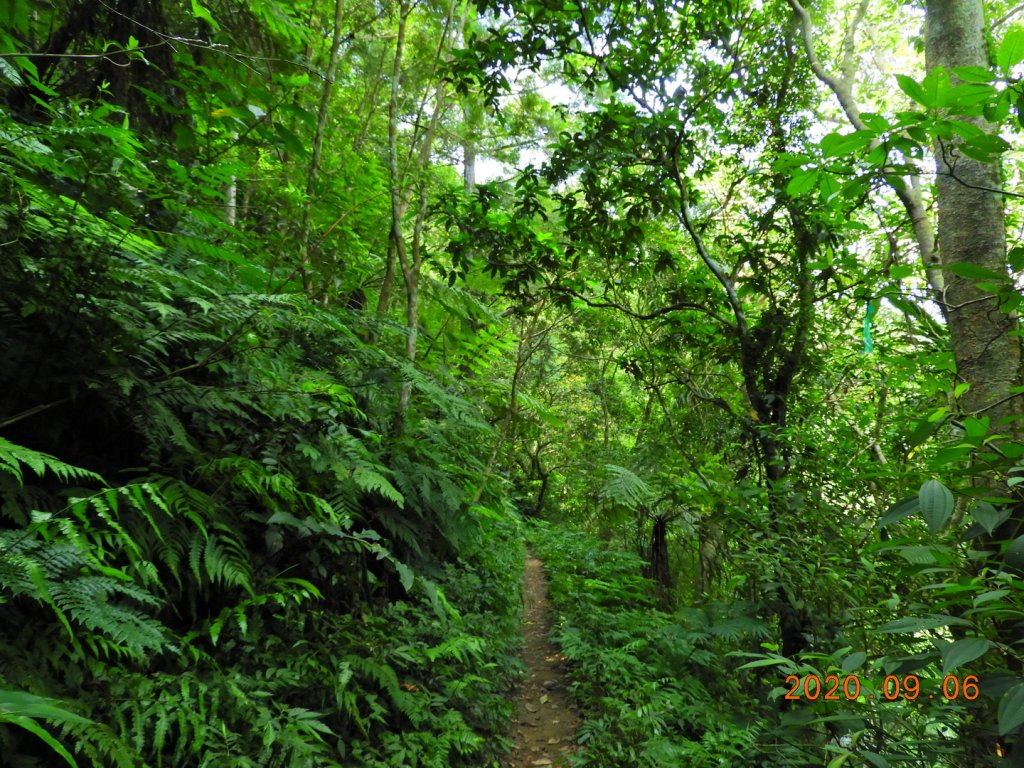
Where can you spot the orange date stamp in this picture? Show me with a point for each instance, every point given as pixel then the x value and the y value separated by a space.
pixel 907 687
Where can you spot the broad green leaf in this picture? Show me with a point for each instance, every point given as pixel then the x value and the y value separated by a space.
pixel 963 651
pixel 974 74
pixel 985 148
pixel 290 141
pixel 900 510
pixel 874 758
pixel 854 661
pixel 1014 554
pixel 773 662
pixel 936 85
pixel 201 12
pixel 1011 710
pixel 970 95
pixel 924 429
pixel 1011 50
pixel 988 597
pixel 1016 258
pixel 976 429
pixel 802 182
pixel 936 504
pixel 32 726
pixel 919 555
pixel 911 624
pixel 405 575
pixel 997 112
pixel 836 145
pixel 913 89
pixel 987 516
pixel 829 187
pixel 30 705
pixel 901 271
pixel 961 128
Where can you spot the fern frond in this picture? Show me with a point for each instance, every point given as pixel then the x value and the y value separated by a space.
pixel 626 488
pixel 12 457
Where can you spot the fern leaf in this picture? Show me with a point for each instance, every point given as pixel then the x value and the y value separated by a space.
pixel 368 479
pixel 13 456
pixel 626 488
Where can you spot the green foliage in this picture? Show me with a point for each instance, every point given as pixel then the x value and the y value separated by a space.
pixel 216 548
pixel 626 488
pixel 274 382
pixel 653 687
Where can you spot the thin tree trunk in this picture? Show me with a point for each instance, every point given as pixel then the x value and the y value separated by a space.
pixel 908 192
pixel 231 202
pixel 396 245
pixel 318 144
pixel 658 561
pixel 410 259
pixel 388 283
pixel 524 351
pixel 469 164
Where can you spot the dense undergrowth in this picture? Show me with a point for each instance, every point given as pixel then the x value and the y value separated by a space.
pixel 656 689
pixel 236 579
pixel 223 542
pixel 98 662
pixel 250 593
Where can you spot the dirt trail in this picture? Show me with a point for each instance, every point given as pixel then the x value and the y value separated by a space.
pixel 546 721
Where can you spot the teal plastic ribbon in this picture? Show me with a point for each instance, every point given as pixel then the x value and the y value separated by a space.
pixel 869 312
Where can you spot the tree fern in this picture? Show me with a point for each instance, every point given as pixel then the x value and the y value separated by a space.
pixel 626 488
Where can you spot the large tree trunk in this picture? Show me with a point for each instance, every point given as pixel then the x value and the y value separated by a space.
pixel 971 231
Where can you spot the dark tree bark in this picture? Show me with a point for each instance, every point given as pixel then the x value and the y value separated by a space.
pixel 659 569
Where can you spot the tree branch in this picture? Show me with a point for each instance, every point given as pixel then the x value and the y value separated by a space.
pixel 660 312
pixel 909 195
pixel 842 89
pixel 741 326
pixel 1007 16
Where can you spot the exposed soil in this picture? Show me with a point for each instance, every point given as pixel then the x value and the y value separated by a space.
pixel 546 721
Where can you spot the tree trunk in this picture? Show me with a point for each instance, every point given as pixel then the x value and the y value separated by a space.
pixel 709 546
pixel 972 231
pixel 658 563
pixel 469 164
pixel 907 190
pixel 410 259
pixel 305 230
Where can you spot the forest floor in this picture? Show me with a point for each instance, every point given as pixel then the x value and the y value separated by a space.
pixel 546 720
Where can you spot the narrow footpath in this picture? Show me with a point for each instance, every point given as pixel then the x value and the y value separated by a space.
pixel 546 721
